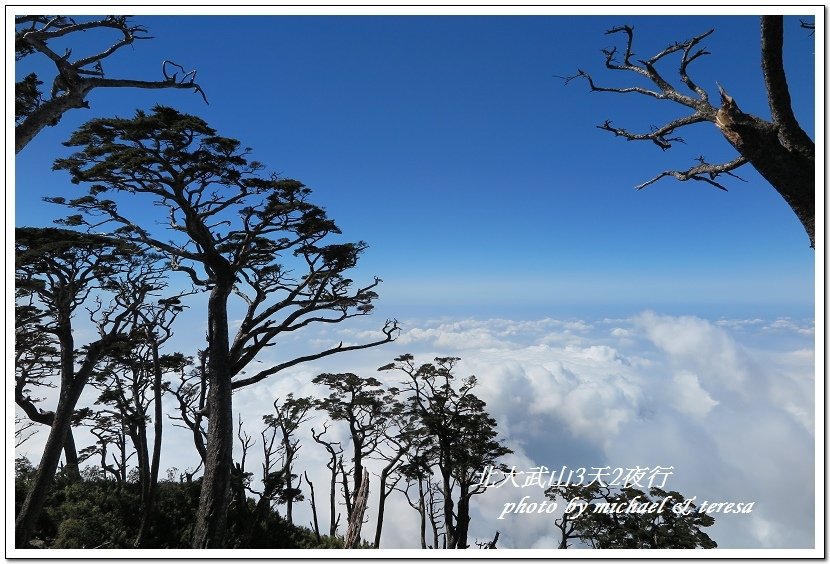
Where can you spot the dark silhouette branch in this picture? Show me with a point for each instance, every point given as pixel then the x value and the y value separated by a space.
pixel 779 149
pixel 74 80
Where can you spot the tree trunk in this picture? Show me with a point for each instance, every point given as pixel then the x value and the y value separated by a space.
pixel 33 504
pixel 211 518
pixel 71 386
pixel 147 515
pixel 48 113
pixel 449 521
pixel 462 521
pixel 358 510
pixel 70 453
pixel 779 150
pixel 384 474
pixel 381 506
pixel 790 171
pixel 313 508
pixel 333 503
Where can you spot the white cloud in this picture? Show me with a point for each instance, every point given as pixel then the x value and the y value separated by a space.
pixel 734 419
pixel 689 396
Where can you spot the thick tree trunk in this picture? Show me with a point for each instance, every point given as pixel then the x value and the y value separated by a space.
pixel 449 520
pixel 779 150
pixel 48 113
pixel 211 518
pixel 70 454
pixel 790 172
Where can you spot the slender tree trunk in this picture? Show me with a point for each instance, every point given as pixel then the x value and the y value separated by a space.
pixel 70 453
pixel 313 508
pixel 423 528
pixel 333 520
pixel 384 474
pixel 462 521
pixel 381 506
pixel 33 504
pixel 358 510
pixel 211 518
pixel 72 384
pixel 147 516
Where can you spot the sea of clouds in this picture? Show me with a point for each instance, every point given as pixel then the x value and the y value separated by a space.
pixel 727 404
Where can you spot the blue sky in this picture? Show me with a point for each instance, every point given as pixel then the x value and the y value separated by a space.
pixel 605 325
pixel 477 177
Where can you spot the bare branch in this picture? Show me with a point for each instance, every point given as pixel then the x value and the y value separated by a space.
pixel 703 172
pixel 657 135
pixel 390 332
pixel 74 79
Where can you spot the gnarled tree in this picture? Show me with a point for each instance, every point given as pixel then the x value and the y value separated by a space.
pixel 779 149
pixel 75 78
pixel 64 270
pixel 233 232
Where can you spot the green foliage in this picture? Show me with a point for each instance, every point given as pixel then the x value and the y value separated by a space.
pixel 98 513
pixel 27 97
pixel 656 525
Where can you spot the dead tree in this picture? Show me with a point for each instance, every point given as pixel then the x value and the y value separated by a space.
pixel 75 79
pixel 779 149
pixel 358 510
pixel 335 451
pixel 315 524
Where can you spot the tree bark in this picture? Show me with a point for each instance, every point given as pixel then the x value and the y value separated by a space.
pixel 358 510
pixel 48 113
pixel 462 523
pixel 211 518
pixel 791 171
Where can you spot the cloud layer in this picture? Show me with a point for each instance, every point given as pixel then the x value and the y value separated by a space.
pixel 728 404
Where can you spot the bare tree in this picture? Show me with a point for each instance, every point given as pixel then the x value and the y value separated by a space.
pixel 75 78
pixel 779 149
pixel 335 451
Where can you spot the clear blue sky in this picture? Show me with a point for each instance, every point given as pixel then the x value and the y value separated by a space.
pixel 477 177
